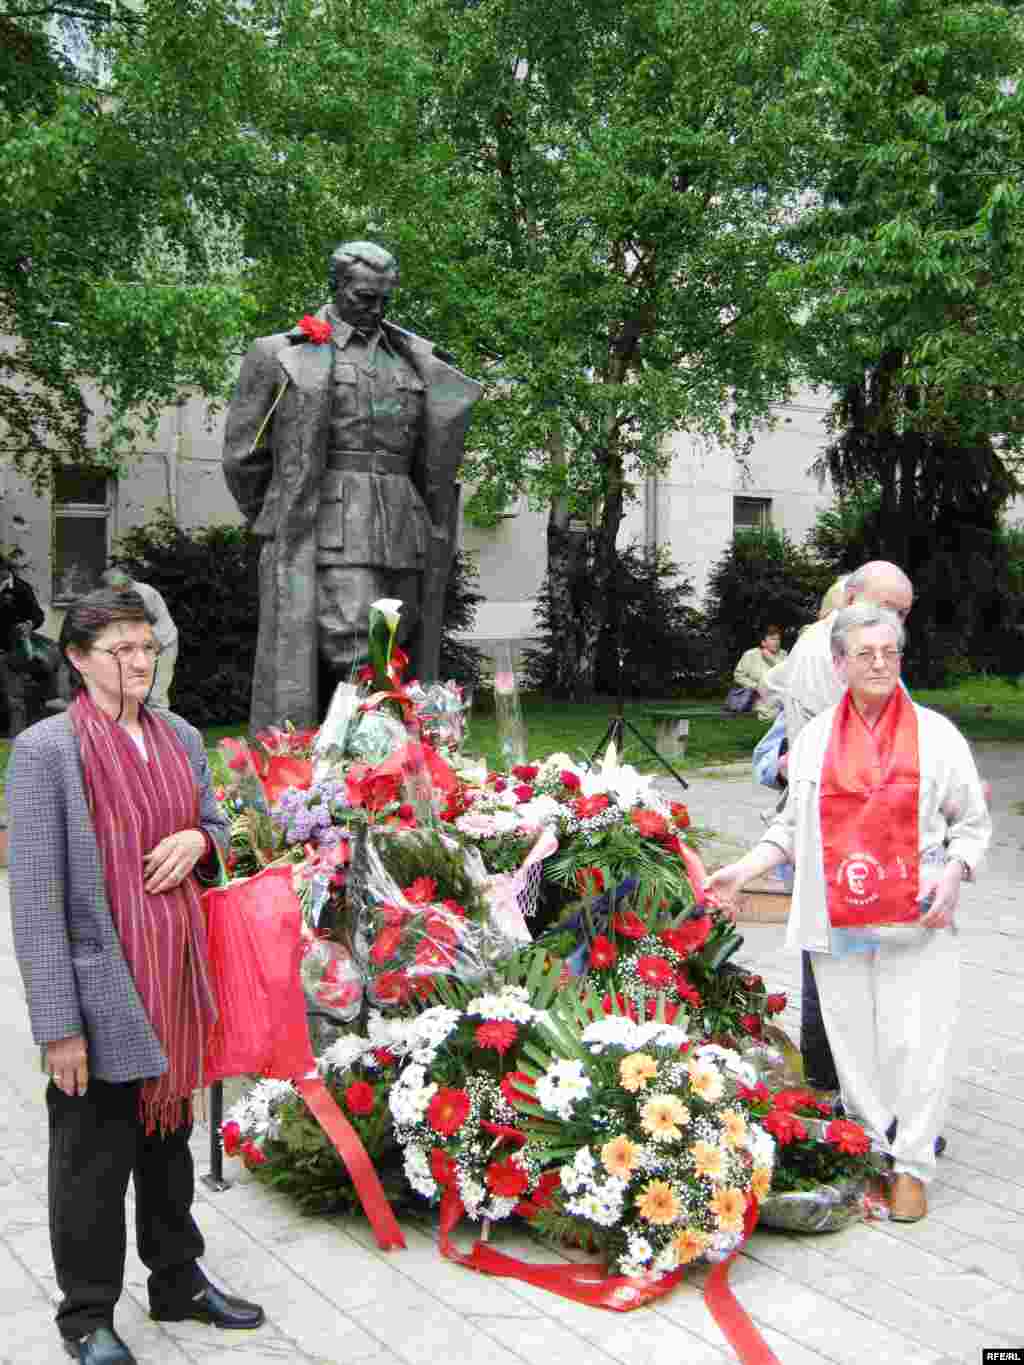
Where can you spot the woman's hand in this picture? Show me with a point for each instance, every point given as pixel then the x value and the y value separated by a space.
pixel 946 891
pixel 67 1061
pixel 723 887
pixel 169 863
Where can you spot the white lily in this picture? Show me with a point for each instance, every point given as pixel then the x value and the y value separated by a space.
pixel 390 608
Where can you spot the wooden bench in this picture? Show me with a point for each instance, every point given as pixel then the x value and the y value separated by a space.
pixel 672 728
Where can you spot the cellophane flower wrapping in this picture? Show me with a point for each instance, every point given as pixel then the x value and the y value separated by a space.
pixel 331 981
pixel 442 710
pixel 419 909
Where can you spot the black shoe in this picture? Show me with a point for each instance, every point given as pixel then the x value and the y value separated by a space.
pixel 210 1305
pixel 101 1347
pixel 940 1145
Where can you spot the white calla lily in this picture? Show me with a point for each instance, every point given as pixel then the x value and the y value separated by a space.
pixel 390 608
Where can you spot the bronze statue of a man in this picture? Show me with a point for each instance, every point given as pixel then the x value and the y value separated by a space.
pixel 342 445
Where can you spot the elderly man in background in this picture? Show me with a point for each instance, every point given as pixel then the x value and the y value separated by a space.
pixel 886 817
pixel 807 684
pixel 165 632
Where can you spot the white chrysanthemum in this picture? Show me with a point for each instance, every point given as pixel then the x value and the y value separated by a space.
pixel 252 1113
pixel 592 1205
pixel 660 1034
pixel 417 1171
pixel 561 1086
pixel 471 1192
pixel 761 1145
pixel 510 1003
pixel 614 1030
pixel 543 809
pixel 428 1031
pixel 388 1033
pixel 730 1060
pixel 558 763
pixel 342 1053
pixel 409 1097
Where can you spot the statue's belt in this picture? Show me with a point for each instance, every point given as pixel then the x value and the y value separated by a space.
pixel 368 462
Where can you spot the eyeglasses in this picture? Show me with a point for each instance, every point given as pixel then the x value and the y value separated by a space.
pixel 122 653
pixel 889 656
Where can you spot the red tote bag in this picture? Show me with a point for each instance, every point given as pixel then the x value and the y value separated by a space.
pixel 253 932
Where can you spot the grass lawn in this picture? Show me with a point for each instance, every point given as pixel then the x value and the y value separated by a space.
pixel 983 708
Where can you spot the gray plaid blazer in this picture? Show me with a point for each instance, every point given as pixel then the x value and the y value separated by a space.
pixel 76 977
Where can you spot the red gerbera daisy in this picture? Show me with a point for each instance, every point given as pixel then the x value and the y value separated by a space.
pixel 655 971
pixel 649 823
pixel 359 1098
pixel 421 892
pixel 497 1034
pixel 506 1179
pixel 448 1111
pixel 603 953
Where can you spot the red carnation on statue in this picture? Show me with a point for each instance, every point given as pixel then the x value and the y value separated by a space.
pixel 628 924
pixel 775 1004
pixel 448 1111
pixel 526 772
pixel 655 971
pixel 517 1087
pixel 359 1098
pixel 784 1127
pixel 231 1137
pixel 252 1154
pixel 421 892
pixel 569 780
pixel 506 1179
pixel 588 806
pixel 497 1034
pixel 848 1137
pixel 442 1167
pixel 315 329
pixel 523 793
pixel 649 823
pixel 603 953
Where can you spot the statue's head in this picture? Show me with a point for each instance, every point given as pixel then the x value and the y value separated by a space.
pixel 362 277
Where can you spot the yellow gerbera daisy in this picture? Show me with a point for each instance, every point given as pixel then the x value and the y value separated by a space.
pixel 619 1157
pixel 636 1070
pixel 709 1160
pixel 729 1206
pixel 689 1244
pixel 735 1126
pixel 658 1203
pixel 706 1081
pixel 760 1182
pixel 662 1116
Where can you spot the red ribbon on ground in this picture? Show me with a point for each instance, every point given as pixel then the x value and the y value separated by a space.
pixel 357 1162
pixel 589 1284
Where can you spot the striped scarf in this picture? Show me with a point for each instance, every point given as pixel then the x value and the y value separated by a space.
pixel 134 804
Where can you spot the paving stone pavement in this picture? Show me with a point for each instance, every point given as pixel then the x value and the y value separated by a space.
pixel 932 1293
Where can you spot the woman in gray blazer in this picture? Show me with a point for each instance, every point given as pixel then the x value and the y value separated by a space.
pixel 111 814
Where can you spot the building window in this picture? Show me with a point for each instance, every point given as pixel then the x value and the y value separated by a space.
pixel 81 529
pixel 751 514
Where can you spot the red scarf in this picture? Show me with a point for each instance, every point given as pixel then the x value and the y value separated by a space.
pixel 134 804
pixel 868 807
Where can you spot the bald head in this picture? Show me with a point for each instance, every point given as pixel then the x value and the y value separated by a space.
pixel 883 585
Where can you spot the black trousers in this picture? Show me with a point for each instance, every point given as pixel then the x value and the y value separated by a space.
pixel 96 1142
pixel 819 1066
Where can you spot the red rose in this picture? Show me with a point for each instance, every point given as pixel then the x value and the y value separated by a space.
pixel 775 1004
pixel 506 1179
pixel 422 891
pixel 230 1137
pixel 655 971
pixel 406 812
pixel 526 772
pixel 649 823
pixel 754 1094
pixel 448 1111
pixel 315 329
pixel 359 1098
pixel 497 781
pixel 497 1034
pixel 442 1167
pixel 784 1127
pixel 629 924
pixel 386 944
pixel 252 1155
pixel 569 780
pixel 517 1087
pixel 588 806
pixel 523 793
pixel 848 1137
pixel 751 1024
pixel 590 881
pixel 680 815
pixel 603 953
pixel 392 988
pixel 383 1056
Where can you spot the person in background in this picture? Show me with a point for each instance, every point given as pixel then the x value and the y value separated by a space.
pixel 754 665
pixel 112 813
pixel 164 629
pixel 886 817
pixel 20 613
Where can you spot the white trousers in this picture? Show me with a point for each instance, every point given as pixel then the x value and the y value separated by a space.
pixel 891 1016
